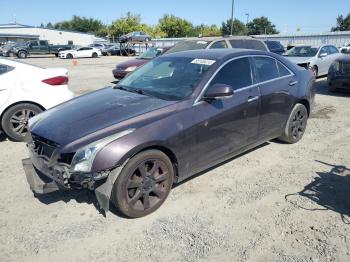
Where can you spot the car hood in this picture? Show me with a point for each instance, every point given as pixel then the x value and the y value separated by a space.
pixel 299 60
pixel 90 113
pixel 133 62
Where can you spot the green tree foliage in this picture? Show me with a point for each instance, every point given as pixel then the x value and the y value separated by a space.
pixel 80 24
pixel 126 24
pixel 238 28
pixel 343 24
pixel 206 30
pixel 174 26
pixel 261 26
pixel 50 25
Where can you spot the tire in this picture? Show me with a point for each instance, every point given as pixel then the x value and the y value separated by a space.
pixel 15 120
pixel 56 54
pixel 69 56
pixel 94 55
pixel 296 125
pixel 138 193
pixel 315 71
pixel 331 88
pixel 109 53
pixel 22 54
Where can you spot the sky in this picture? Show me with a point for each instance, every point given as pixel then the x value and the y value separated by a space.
pixel 307 15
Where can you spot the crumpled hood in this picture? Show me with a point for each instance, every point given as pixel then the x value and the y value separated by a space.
pixel 90 113
pixel 298 60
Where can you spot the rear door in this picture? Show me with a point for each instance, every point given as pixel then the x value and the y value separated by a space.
pixel 275 82
pixel 7 82
pixel 43 47
pixel 34 47
pixel 227 125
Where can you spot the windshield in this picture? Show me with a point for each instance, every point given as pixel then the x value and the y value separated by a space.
pixel 150 54
pixel 167 78
pixel 188 45
pixel 302 51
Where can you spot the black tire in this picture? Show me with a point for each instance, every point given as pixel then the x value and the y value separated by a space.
pixel 296 125
pixel 109 53
pixel 315 71
pixel 22 54
pixel 331 88
pixel 94 55
pixel 137 193
pixel 56 54
pixel 15 120
pixel 69 56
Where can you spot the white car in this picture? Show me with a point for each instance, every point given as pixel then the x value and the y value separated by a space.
pixel 27 90
pixel 80 52
pixel 316 58
pixel 346 49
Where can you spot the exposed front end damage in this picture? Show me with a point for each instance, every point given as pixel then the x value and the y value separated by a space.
pixel 46 172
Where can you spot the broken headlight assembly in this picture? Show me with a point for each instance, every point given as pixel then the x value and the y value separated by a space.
pixel 84 157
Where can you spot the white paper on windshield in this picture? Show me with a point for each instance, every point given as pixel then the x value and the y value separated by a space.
pixel 202 42
pixel 203 62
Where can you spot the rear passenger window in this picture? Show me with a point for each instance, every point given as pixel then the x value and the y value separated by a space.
pixel 236 74
pixel 266 68
pixel 4 69
pixel 219 44
pixel 282 70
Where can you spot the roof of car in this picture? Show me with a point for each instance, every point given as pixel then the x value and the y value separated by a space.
pixel 214 38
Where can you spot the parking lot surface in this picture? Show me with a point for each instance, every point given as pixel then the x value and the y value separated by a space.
pixel 278 202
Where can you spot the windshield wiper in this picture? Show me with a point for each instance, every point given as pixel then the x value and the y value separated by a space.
pixel 129 89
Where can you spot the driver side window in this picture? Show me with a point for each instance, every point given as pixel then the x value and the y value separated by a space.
pixel 236 74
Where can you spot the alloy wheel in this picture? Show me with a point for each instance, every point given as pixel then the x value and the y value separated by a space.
pixel 298 124
pixel 19 121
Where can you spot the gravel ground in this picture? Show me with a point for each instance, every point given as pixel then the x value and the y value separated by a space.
pixel 275 203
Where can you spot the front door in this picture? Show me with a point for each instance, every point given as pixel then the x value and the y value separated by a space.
pixel 224 126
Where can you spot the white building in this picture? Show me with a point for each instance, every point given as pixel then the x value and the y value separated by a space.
pixel 18 32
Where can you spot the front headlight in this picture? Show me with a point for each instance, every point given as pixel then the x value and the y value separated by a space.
pixel 84 157
pixel 130 69
pixel 336 66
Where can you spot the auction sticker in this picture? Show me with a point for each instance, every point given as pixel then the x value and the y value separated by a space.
pixel 203 62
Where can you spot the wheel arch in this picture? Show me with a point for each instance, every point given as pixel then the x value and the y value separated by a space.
pixel 306 103
pixel 17 103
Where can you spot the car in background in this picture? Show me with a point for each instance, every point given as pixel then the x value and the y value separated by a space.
pixel 275 47
pixel 5 50
pixel 119 49
pixel 135 37
pixel 124 68
pixel 219 42
pixel 316 58
pixel 175 117
pixel 345 49
pixel 27 90
pixel 100 46
pixel 339 74
pixel 37 47
pixel 80 52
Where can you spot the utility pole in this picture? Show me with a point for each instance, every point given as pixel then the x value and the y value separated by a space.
pixel 247 14
pixel 233 6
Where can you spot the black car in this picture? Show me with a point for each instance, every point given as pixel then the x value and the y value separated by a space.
pixel 120 50
pixel 172 118
pixel 339 74
pixel 275 47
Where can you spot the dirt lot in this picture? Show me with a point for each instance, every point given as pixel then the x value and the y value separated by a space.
pixel 276 203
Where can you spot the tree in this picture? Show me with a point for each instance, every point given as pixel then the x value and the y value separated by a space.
pixel 126 24
pixel 49 25
pixel 343 24
pixel 261 25
pixel 206 30
pixel 174 26
pixel 238 28
pixel 80 24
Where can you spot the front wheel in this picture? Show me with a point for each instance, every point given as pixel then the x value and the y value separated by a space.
pixel 15 120
pixel 144 184
pixel 22 54
pixel 314 70
pixel 296 125
pixel 94 55
pixel 69 56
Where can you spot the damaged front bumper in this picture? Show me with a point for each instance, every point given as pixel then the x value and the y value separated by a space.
pixel 46 178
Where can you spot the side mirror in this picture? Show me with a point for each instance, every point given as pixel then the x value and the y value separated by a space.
pixel 218 91
pixel 323 55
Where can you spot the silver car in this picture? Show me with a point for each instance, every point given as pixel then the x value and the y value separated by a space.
pixel 318 59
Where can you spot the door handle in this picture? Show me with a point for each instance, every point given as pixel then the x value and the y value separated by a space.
pixel 252 98
pixel 293 83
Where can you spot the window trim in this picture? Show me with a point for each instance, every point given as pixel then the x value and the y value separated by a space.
pixel 199 98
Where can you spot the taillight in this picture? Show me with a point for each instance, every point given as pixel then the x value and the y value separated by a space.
pixel 56 81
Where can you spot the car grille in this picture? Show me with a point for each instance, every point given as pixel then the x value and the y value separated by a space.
pixel 43 146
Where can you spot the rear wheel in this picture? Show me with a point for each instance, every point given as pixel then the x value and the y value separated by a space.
pixel 331 88
pixel 15 120
pixel 314 70
pixel 69 56
pixel 296 125
pixel 144 184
